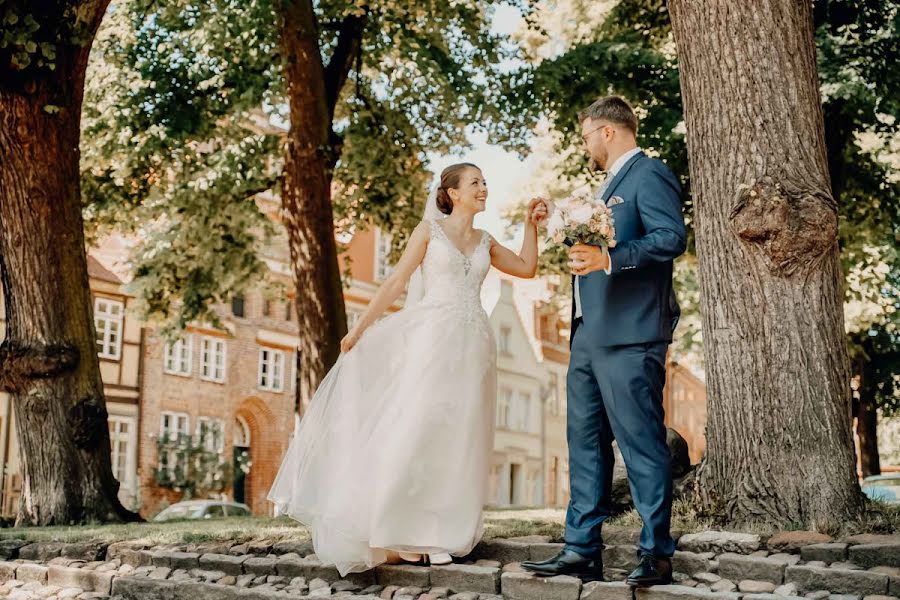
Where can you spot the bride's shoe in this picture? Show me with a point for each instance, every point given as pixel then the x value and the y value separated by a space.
pixel 411 557
pixel 440 559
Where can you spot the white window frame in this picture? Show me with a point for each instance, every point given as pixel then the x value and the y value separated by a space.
pixel 219 424
pixel 505 339
pixel 182 425
pixel 180 418
pixel 523 414
pixel 270 374
pixel 127 480
pixel 504 408
pixel 110 342
pixel 180 353
pixel 554 394
pixel 210 370
pixel 382 250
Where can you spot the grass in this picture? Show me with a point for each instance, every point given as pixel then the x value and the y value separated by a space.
pixel 239 529
pixel 499 524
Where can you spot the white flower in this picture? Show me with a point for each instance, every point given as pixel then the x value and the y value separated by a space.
pixel 581 214
pixel 556 222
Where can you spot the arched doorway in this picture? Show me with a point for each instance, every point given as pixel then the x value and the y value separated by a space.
pixel 242 459
pixel 256 430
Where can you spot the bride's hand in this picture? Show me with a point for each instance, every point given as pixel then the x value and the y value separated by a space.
pixel 350 340
pixel 537 211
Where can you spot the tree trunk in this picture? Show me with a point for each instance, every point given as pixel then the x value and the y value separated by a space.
pixel 780 448
pixel 306 199
pixel 48 361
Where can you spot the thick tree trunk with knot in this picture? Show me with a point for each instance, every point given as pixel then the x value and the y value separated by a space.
pixel 48 361
pixel 779 431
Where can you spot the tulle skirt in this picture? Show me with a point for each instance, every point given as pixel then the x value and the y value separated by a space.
pixel 395 448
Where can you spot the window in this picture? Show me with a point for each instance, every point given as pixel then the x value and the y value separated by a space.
pixel 271 370
pixel 211 434
pixel 289 310
pixel 504 339
pixel 120 430
pixel 214 512
pixel 523 413
pixel 108 323
pixel 267 308
pixel 178 356
pixel 212 359
pixel 173 434
pixel 382 267
pixel 504 400
pixel 174 426
pixel 237 306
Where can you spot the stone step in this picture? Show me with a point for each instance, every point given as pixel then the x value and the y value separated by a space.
pixel 407 582
pixel 707 565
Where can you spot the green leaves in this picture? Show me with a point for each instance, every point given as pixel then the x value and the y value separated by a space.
pixel 186 110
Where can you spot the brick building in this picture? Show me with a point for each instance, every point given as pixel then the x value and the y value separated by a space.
pixel 239 384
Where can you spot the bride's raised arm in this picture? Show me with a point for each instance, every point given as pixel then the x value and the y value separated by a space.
pixel 395 283
pixel 523 264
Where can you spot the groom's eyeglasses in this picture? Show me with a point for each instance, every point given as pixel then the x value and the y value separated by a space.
pixel 585 136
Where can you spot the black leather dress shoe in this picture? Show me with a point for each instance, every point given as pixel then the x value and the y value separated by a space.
pixel 568 562
pixel 651 571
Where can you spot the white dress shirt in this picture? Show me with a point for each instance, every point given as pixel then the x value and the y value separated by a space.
pixel 615 168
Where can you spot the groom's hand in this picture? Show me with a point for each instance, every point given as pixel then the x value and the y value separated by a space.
pixel 584 259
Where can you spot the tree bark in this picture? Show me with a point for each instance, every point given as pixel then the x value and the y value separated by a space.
pixel 780 448
pixel 306 199
pixel 48 361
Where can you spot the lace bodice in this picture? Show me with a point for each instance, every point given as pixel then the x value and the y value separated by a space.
pixel 449 276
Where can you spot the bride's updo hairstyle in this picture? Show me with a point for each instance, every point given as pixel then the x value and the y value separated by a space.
pixel 450 179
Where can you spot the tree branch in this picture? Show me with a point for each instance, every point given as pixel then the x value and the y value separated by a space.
pixel 348 46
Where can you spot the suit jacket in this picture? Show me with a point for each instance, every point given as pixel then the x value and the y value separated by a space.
pixel 635 303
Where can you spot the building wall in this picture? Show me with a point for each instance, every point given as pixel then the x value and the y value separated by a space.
pixel 517 472
pixel 555 352
pixel 269 415
pixel 684 401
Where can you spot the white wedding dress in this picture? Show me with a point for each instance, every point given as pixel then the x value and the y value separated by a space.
pixel 395 447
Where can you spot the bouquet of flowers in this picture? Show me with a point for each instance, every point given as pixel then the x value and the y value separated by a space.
pixel 580 219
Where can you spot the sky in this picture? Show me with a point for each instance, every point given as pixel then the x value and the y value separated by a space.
pixel 502 170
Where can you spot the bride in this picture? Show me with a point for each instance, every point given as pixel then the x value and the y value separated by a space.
pixel 390 462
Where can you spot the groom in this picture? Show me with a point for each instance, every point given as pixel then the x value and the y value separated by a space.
pixel 623 316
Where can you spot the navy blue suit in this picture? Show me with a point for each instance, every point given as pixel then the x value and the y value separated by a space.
pixel 617 363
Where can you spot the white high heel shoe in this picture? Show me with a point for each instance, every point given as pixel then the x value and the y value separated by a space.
pixel 440 559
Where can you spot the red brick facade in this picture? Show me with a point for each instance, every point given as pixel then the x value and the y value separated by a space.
pixel 268 415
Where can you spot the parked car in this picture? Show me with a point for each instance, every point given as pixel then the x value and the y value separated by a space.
pixel 883 487
pixel 203 509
